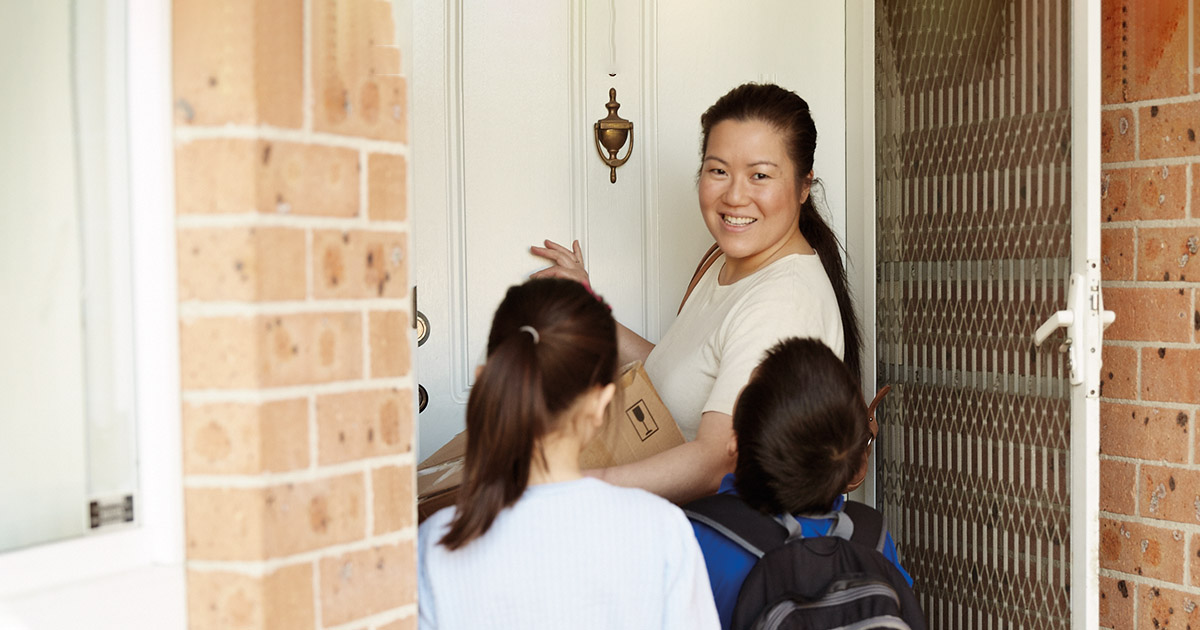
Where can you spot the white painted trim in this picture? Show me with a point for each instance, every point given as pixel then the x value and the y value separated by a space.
pixel 651 278
pixel 456 194
pixel 577 106
pixel 72 571
pixel 860 191
pixel 1085 257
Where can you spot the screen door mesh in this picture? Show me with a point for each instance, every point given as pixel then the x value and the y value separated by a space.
pixel 973 247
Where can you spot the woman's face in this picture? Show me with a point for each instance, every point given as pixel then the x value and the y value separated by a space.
pixel 747 189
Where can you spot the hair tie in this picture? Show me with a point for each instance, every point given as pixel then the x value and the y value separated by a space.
pixel 532 331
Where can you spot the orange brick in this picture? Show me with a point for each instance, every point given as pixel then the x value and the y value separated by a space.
pixel 1167 608
pixel 1170 374
pixel 234 438
pixel 262 263
pixel 218 352
pixel 1118 375
pixel 390 353
pixel 1170 494
pixel 1150 433
pixel 1194 550
pixel 1116 602
pixel 351 94
pixel 1145 550
pixel 357 425
pixel 1160 193
pixel 1169 253
pixel 1113 39
pixel 393 488
pixel 1118 491
pixel 224 523
pixel 1117 254
pixel 1169 130
pixel 308 179
pixel 407 623
pixel 306 516
pixel 387 181
pixel 1115 201
pixel 1149 314
pixel 310 348
pixel 1156 47
pixel 364 583
pixel 1117 135
pixel 238 61
pixel 359 264
pixel 1194 207
pixel 280 600
pixel 216 177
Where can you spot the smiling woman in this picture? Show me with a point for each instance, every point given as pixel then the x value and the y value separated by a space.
pixel 780 276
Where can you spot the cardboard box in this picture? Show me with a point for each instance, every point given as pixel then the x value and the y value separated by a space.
pixel 642 428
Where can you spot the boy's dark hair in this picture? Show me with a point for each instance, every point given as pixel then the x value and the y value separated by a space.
pixel 801 428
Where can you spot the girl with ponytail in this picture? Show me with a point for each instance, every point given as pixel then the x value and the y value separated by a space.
pixel 777 273
pixel 531 543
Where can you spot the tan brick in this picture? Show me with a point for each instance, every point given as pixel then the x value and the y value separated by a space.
pixel 307 179
pixel 393 488
pixel 387 181
pixel 1117 254
pixel 1170 374
pixel 1118 375
pixel 1168 254
pixel 264 263
pixel 306 516
pixel 368 582
pixel 1153 552
pixel 280 600
pixel 1194 567
pixel 234 438
pixel 1149 314
pixel 1116 602
pixel 1194 207
pixel 310 348
pixel 359 264
pixel 1117 135
pixel 1170 494
pixel 357 425
pixel 238 61
pixel 225 523
pixel 1118 481
pixel 390 351
pixel 1150 433
pixel 407 623
pixel 1167 608
pixel 352 90
pixel 1169 130
pixel 218 352
pixel 216 177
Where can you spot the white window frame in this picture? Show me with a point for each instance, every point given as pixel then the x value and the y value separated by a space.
pixel 71 568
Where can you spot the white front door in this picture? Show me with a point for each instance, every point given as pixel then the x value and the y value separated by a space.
pixel 505 98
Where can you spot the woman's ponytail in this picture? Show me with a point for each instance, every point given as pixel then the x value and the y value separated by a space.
pixel 822 239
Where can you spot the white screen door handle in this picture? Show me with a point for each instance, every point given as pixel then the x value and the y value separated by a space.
pixel 1084 300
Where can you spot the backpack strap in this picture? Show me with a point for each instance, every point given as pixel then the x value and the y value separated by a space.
pixel 868 527
pixel 752 530
pixel 710 257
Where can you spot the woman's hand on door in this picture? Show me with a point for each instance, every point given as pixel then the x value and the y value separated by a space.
pixel 567 263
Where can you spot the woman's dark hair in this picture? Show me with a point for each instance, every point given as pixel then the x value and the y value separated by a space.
pixel 801 428
pixel 788 114
pixel 551 341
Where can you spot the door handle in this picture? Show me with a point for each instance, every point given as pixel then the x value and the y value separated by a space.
pixel 1084 298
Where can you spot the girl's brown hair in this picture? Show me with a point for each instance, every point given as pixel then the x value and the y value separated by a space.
pixel 551 341
pixel 789 115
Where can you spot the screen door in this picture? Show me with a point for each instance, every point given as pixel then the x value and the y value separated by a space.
pixel 975 248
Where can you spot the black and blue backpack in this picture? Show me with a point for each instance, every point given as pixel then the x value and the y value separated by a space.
pixel 838 581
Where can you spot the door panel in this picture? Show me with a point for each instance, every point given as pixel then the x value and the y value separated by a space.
pixel 974 251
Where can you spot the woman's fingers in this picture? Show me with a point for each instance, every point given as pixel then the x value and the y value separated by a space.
pixel 578 251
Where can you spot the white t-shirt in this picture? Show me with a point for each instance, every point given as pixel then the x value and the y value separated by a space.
pixel 576 554
pixel 723 333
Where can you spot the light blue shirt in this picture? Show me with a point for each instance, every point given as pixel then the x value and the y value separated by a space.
pixel 577 554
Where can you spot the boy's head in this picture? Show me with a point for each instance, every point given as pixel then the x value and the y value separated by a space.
pixel 801 429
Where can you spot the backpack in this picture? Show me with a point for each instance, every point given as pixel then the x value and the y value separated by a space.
pixel 838 581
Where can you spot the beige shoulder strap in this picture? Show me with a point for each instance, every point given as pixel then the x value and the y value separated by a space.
pixel 709 258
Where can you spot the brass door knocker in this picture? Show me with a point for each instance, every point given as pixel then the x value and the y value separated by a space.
pixel 611 132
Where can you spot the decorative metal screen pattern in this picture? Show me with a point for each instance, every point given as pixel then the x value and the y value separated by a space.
pixel 973 239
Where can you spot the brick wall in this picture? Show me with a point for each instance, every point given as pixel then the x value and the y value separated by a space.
pixel 1150 464
pixel 293 239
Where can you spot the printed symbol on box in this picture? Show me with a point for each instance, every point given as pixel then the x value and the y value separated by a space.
pixel 643 422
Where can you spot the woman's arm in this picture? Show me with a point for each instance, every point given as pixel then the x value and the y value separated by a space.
pixel 688 471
